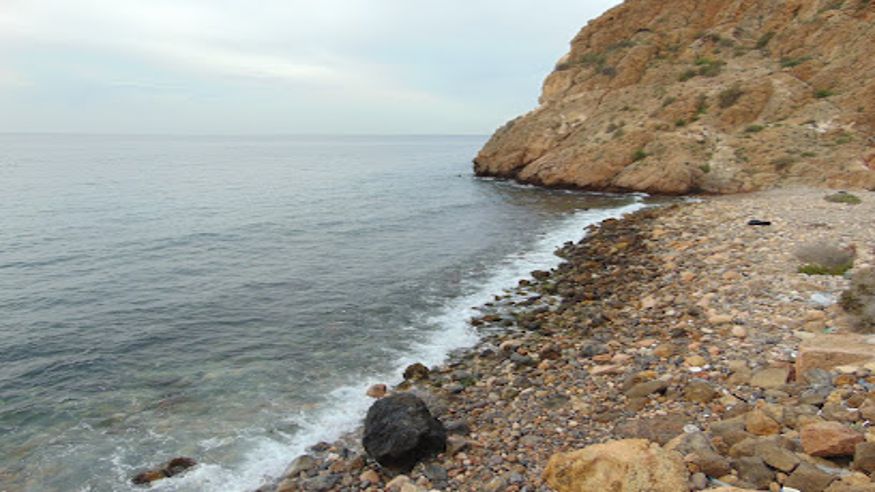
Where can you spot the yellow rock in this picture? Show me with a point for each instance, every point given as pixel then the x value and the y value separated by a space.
pixel 630 465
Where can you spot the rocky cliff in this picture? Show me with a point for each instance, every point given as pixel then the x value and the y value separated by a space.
pixel 717 96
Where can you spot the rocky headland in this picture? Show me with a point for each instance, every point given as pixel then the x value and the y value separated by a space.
pixel 688 96
pixel 677 349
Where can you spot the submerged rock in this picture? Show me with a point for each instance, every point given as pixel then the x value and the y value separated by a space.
pixel 169 469
pixel 400 431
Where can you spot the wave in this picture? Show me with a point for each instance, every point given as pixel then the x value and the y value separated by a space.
pixel 446 331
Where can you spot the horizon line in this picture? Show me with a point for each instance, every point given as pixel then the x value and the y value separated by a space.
pixel 275 134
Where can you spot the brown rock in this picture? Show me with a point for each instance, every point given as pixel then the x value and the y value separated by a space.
pixel 771 378
pixel 754 471
pixel 377 391
pixel 699 391
pixel 147 477
pixel 825 439
pixel 809 478
pixel 777 457
pixel 647 388
pixel 864 457
pixel 416 371
pixel 829 351
pixel 631 465
pixel 758 422
pixel 370 476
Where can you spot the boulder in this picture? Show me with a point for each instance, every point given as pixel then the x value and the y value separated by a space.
pixel 400 431
pixel 809 478
pixel 826 439
pixel 630 465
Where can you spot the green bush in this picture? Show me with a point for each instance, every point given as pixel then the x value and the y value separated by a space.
pixel 764 39
pixel 687 75
pixel 823 93
pixel 859 300
pixel 794 62
pixel 728 97
pixel 754 129
pixel 824 259
pixel 639 155
pixel 843 197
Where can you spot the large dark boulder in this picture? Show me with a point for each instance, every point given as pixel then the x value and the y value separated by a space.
pixel 400 431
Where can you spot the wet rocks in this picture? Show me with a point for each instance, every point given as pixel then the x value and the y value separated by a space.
pixel 415 372
pixel 169 469
pixel 400 431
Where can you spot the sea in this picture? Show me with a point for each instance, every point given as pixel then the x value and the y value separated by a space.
pixel 231 299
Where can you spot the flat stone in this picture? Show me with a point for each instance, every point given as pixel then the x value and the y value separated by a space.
pixel 699 391
pixel 753 470
pixel 771 378
pixel 776 456
pixel 647 388
pixel 809 478
pixel 829 351
pixel 864 457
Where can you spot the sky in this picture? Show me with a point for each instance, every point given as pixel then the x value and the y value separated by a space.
pixel 278 66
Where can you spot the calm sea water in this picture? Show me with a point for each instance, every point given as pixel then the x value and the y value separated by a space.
pixel 230 299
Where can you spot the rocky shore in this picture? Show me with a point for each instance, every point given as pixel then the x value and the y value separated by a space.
pixel 681 337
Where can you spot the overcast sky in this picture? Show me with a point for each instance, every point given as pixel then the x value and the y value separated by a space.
pixel 278 66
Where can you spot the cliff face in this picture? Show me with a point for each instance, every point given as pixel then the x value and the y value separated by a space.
pixel 718 96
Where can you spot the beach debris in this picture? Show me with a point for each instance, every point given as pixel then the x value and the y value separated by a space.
pixel 757 222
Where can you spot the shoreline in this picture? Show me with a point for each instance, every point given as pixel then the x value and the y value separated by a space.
pixel 653 298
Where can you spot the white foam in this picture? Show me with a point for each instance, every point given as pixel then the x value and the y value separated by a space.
pixel 347 405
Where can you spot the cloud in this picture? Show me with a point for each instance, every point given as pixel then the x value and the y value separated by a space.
pixel 478 60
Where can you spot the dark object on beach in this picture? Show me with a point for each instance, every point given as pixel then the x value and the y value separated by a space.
pixel 757 222
pixel 416 371
pixel 400 432
pixel 169 469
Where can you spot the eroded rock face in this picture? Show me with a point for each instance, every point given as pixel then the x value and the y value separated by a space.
pixel 723 96
pixel 629 465
pixel 400 431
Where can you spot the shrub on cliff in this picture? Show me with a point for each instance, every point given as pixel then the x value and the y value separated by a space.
pixel 859 300
pixel 825 259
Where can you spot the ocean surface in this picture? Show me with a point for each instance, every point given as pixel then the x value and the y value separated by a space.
pixel 230 299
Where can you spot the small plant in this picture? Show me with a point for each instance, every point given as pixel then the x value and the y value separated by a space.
pixel 763 41
pixel 709 67
pixel 728 97
pixel 844 138
pixel 705 168
pixel 680 123
pixel 783 163
pixel 808 154
pixel 702 104
pixel 843 197
pixel 754 129
pixel 687 75
pixel 859 300
pixel 639 155
pixel 823 93
pixel 825 259
pixel 668 101
pixel 609 72
pixel 794 62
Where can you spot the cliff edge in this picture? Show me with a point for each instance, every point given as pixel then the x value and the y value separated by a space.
pixel 717 96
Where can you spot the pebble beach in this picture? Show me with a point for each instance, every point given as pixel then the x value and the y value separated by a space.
pixel 679 324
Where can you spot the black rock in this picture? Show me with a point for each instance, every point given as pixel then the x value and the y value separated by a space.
pixel 400 432
pixel 757 222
